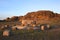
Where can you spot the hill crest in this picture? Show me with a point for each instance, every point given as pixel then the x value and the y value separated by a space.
pixel 38 15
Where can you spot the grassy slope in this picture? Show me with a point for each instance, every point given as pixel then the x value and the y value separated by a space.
pixel 53 34
pixel 33 35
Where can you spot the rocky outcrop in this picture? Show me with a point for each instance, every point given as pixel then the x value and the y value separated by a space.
pixel 39 15
pixel 43 16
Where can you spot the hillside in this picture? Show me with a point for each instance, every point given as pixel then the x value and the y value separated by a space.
pixel 39 15
pixel 36 15
pixel 43 16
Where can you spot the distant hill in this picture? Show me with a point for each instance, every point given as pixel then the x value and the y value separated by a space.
pixel 40 15
pixel 43 16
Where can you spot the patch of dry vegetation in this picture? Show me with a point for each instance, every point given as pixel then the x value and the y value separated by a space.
pixel 33 35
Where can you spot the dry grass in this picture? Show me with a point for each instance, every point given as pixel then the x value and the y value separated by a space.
pixel 33 35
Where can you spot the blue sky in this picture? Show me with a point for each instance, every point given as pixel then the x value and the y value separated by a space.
pixel 9 8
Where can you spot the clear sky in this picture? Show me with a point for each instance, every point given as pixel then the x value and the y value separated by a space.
pixel 9 8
